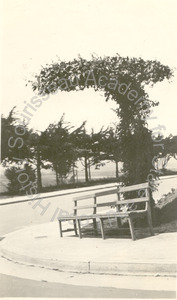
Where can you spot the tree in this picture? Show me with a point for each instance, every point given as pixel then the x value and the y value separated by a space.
pixel 20 145
pixel 123 80
pixel 59 148
pixel 112 147
pixel 14 136
pixel 90 148
pixel 7 130
pixel 137 149
pixel 36 149
pixel 12 173
pixel 166 149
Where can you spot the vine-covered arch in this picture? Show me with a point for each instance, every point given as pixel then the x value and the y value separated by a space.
pixel 123 80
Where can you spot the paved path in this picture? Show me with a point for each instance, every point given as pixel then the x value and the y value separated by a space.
pixel 41 245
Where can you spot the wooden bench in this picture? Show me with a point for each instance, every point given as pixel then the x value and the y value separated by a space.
pixel 93 205
pixel 122 202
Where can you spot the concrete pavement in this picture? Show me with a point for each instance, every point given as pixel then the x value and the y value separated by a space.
pixel 41 246
pixel 22 271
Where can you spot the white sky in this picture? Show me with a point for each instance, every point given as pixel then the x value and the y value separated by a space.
pixel 35 32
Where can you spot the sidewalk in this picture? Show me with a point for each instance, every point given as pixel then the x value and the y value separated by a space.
pixel 18 199
pixel 41 246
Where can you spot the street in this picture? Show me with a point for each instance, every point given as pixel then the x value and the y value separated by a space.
pixel 18 215
pixel 15 287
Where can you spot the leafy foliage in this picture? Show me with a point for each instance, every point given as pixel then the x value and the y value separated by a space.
pixel 18 146
pixel 15 187
pixel 105 74
pixel 14 138
pixel 166 149
pixel 90 149
pixel 112 147
pixel 59 147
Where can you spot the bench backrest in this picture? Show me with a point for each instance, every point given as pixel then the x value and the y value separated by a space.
pixel 141 192
pixel 119 202
pixel 93 201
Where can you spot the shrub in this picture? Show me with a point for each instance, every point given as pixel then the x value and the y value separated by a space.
pixel 15 186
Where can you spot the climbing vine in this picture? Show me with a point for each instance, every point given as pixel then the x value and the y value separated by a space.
pixel 123 80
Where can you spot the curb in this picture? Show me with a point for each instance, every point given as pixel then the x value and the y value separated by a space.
pixel 91 267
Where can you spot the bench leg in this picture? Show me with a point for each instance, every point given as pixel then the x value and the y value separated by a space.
pixel 75 227
pixel 150 224
pixel 94 225
pixel 79 228
pixel 118 221
pixel 60 227
pixel 102 228
pixel 132 228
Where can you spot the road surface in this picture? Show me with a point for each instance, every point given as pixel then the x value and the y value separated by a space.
pixel 15 287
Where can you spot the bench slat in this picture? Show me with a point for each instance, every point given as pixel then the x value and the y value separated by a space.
pixel 103 215
pixel 84 206
pixel 95 205
pixel 106 204
pixel 84 197
pixel 103 193
pixel 135 200
pixel 133 187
